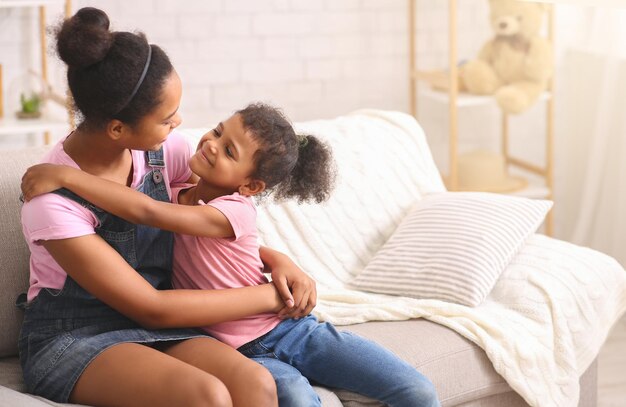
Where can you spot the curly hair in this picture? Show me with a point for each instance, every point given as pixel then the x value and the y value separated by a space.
pixel 103 68
pixel 291 165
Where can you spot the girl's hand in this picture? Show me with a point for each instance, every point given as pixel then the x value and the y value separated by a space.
pixel 43 178
pixel 294 284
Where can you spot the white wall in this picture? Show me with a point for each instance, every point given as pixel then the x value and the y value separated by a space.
pixel 315 58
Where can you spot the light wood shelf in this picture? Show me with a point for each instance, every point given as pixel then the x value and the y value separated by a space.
pixel 456 100
pixel 466 99
pixel 11 125
pixel 29 3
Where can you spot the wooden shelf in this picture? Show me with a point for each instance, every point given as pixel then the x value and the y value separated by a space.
pixel 26 126
pixel 10 124
pixel 29 3
pixel 465 99
pixel 533 191
pixel 422 84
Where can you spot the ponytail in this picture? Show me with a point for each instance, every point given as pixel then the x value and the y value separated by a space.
pixel 292 166
pixel 312 179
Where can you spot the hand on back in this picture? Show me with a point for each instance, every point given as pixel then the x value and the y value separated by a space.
pixel 43 178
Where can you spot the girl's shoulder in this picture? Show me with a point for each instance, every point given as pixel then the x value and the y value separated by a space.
pixel 57 155
pixel 240 212
pixel 52 216
pixel 234 199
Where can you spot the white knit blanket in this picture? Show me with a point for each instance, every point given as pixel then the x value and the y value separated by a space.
pixel 541 326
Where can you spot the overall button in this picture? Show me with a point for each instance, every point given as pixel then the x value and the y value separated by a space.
pixel 157 176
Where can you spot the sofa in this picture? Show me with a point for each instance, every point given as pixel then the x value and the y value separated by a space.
pixel 465 368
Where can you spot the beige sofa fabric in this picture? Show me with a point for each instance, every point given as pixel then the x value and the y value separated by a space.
pixel 12 398
pixel 13 250
pixel 459 369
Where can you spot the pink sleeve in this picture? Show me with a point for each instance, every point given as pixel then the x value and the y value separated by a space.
pixel 177 153
pixel 51 217
pixel 240 212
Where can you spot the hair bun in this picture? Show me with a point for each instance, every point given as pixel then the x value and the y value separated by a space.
pixel 85 38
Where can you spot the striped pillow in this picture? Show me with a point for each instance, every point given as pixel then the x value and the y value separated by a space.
pixel 453 246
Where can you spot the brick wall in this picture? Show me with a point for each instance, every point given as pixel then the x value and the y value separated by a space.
pixel 315 58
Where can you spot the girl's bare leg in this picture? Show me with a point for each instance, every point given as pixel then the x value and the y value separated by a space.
pixel 249 383
pixel 131 374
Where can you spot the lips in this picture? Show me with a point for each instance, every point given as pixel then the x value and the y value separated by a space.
pixel 205 156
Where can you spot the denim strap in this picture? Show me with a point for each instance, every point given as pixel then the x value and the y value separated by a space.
pixel 155 158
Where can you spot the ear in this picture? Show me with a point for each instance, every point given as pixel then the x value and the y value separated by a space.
pixel 116 129
pixel 255 186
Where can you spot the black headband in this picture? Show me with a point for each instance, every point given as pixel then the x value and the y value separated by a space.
pixel 140 81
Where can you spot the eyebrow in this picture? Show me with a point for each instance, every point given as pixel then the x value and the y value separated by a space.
pixel 172 114
pixel 220 126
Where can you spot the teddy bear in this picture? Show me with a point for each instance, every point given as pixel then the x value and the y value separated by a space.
pixel 516 64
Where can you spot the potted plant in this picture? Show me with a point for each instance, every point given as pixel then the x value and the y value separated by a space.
pixel 30 106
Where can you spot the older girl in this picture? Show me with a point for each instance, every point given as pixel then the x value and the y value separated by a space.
pixel 100 327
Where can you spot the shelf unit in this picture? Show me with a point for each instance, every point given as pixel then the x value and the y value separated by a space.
pixel 457 100
pixel 10 125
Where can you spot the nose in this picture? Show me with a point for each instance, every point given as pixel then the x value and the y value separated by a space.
pixel 176 120
pixel 211 145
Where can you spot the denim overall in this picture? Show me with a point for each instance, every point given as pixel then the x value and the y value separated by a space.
pixel 64 330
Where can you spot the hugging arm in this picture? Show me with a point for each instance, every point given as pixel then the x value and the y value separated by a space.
pixel 296 288
pixel 125 202
pixel 100 270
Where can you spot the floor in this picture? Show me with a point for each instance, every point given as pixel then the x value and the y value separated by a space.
pixel 612 368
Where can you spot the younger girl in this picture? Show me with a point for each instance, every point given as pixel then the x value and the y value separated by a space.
pixel 255 151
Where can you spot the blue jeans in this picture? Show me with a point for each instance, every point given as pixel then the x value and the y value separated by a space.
pixel 304 351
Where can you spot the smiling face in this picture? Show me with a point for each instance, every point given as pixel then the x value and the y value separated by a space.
pixel 152 131
pixel 224 160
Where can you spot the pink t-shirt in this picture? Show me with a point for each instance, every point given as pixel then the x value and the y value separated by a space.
pixel 217 263
pixel 51 216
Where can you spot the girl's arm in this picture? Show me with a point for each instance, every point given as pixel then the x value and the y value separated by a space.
pixel 131 205
pixel 295 287
pixel 100 270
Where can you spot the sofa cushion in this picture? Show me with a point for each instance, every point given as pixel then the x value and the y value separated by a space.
pixel 453 246
pixel 13 250
pixel 444 358
pixel 11 374
pixel 459 369
pixel 13 398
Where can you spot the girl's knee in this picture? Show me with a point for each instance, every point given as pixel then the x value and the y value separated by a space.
pixel 260 381
pixel 411 388
pixel 423 394
pixel 203 390
pixel 297 392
